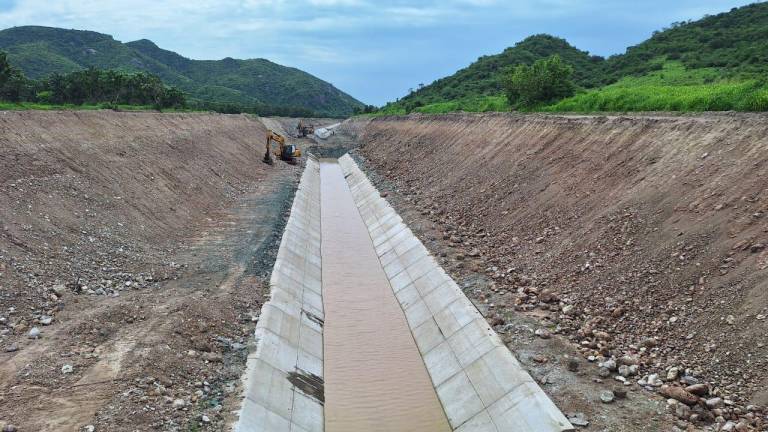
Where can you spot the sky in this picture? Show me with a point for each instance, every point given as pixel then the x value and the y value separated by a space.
pixel 373 50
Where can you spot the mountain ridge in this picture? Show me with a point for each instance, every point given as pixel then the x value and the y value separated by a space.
pixel 40 51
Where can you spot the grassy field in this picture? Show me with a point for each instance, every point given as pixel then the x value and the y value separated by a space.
pixel 737 96
pixel 673 88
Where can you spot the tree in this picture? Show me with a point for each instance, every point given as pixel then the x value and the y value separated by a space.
pixel 95 86
pixel 546 81
pixel 14 86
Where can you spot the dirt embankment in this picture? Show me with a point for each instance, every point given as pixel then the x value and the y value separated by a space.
pixel 638 238
pixel 133 252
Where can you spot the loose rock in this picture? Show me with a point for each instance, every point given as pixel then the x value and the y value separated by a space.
pixel 578 419
pixel 609 364
pixel 679 394
pixel 714 403
pixel 698 389
pixel 607 396
pixel 673 373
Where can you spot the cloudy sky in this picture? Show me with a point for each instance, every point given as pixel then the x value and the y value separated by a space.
pixel 374 50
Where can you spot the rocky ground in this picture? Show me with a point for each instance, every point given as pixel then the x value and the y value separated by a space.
pixel 638 241
pixel 134 256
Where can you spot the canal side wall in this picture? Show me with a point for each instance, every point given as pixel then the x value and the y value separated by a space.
pixel 283 380
pixel 480 384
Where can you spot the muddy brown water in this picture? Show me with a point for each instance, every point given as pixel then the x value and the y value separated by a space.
pixel 375 378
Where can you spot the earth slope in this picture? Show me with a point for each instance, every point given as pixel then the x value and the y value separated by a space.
pixel 642 236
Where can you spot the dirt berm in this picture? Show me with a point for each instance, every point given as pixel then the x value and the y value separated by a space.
pixel 638 238
pixel 133 255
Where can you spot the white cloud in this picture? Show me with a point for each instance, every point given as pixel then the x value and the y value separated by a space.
pixel 337 2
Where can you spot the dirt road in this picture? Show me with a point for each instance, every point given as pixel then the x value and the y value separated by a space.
pixel 137 245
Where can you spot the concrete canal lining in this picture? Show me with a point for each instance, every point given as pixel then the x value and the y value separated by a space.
pixel 481 385
pixel 454 354
pixel 375 379
pixel 283 379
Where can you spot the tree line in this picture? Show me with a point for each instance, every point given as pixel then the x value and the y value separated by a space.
pixel 90 86
pixel 366 109
pixel 111 88
pixel 263 110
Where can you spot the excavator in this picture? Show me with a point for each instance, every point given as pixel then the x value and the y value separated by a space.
pixel 304 129
pixel 285 152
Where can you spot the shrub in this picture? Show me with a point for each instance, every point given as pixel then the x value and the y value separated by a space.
pixel 546 81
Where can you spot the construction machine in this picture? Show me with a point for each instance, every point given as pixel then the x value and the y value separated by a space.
pixel 285 152
pixel 304 129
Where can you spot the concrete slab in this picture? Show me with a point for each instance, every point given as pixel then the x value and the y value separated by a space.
pixel 460 404
pixel 255 417
pixel 427 336
pixel 480 423
pixel 442 364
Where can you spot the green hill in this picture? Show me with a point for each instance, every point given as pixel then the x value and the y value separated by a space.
pixel 41 51
pixel 718 54
pixel 734 42
pixel 484 77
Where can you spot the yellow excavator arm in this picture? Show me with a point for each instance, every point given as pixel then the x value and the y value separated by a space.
pixel 288 153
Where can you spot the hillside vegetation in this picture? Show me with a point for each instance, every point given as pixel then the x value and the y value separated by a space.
pixel 673 88
pixel 735 42
pixel 717 63
pixel 42 51
pixel 88 88
pixel 485 76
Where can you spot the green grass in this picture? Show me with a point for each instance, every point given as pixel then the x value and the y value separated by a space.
pixel 475 104
pixel 739 96
pixel 673 88
pixel 478 104
pixel 27 106
pixel 671 73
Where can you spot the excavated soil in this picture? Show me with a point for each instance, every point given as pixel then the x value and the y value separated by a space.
pixel 138 245
pixel 636 239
